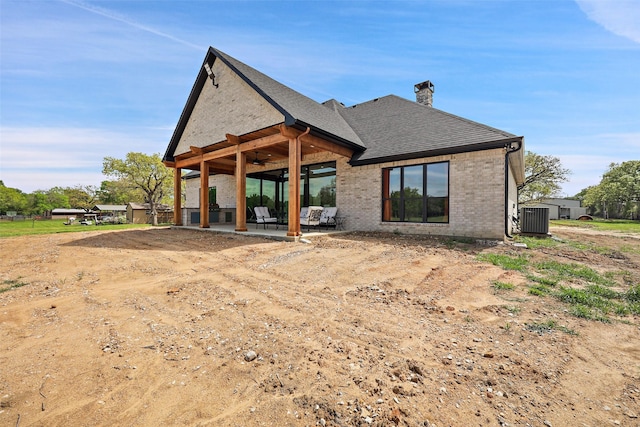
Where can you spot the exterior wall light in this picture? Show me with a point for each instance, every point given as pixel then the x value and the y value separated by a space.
pixel 209 71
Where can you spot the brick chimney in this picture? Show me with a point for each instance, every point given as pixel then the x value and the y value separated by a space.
pixel 424 93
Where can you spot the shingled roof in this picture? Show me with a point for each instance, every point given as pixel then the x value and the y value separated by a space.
pixel 395 128
pixel 384 129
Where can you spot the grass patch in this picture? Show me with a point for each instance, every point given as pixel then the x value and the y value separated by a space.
pixel 539 290
pixel 536 242
pixel 588 293
pixel 51 226
pixel 602 292
pixel 633 294
pixel 548 327
pixel 518 263
pixel 503 286
pixel 543 280
pixel 588 313
pixel 7 285
pixel 569 272
pixel 634 308
pixel 582 297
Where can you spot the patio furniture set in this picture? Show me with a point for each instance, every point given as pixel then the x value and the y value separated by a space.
pixel 312 216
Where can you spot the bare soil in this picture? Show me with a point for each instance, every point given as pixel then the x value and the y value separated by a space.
pixel 178 327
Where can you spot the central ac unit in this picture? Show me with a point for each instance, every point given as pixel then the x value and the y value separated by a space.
pixel 534 220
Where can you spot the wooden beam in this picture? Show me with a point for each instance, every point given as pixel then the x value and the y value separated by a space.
pixel 265 141
pixel 317 142
pixel 189 163
pixel 221 170
pixel 204 195
pixel 295 159
pixel 324 145
pixel 233 139
pixel 196 150
pixel 177 196
pixel 241 190
pixel 280 150
pixel 222 152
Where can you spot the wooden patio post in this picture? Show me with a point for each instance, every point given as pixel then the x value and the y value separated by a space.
pixel 177 196
pixel 295 148
pixel 204 194
pixel 241 191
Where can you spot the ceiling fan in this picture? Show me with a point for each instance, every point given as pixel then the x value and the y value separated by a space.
pixel 257 161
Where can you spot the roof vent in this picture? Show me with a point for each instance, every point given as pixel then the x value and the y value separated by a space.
pixel 424 93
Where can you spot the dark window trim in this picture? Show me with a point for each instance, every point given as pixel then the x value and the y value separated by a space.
pixel 425 195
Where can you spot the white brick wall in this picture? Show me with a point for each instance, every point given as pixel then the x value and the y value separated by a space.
pixel 476 196
pixel 237 108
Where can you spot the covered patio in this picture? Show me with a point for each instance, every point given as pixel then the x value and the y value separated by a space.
pixel 232 156
pixel 268 233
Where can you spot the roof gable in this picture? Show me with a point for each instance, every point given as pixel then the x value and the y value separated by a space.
pixel 245 100
pixel 224 105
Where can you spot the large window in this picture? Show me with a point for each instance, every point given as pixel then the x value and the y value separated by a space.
pixel 321 181
pixel 271 188
pixel 418 193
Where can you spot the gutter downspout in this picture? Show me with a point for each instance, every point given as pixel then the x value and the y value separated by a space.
pixel 510 149
pixel 306 132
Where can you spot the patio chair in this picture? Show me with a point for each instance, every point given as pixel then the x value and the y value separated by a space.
pixel 310 216
pixel 328 217
pixel 263 216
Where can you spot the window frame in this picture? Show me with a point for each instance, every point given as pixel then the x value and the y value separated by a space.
pixel 388 200
pixel 281 179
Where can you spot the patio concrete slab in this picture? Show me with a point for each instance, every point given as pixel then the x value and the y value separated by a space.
pixel 268 233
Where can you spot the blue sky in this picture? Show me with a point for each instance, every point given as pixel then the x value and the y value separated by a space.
pixel 81 80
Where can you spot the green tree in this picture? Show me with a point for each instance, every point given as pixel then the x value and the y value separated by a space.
pixel 81 197
pixel 144 172
pixel 43 201
pixel 618 194
pixel 12 199
pixel 542 177
pixel 119 192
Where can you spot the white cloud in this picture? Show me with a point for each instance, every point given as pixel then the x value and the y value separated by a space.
pixel 621 17
pixel 586 170
pixel 589 156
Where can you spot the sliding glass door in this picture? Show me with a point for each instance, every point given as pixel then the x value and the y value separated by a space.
pixel 271 188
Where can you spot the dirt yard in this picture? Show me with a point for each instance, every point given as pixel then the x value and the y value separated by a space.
pixel 190 328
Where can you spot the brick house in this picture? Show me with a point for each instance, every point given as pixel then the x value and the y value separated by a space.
pixel 389 164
